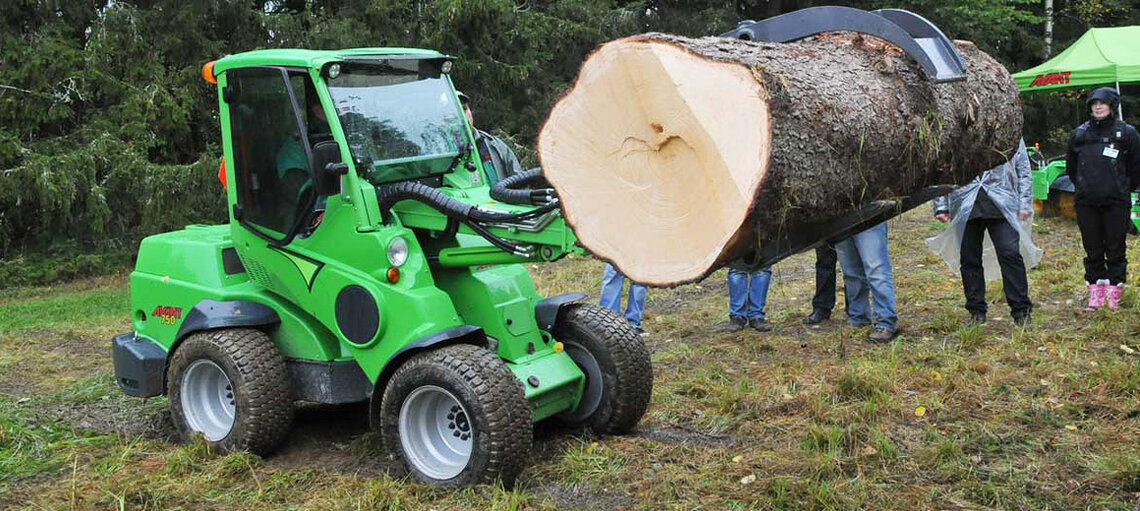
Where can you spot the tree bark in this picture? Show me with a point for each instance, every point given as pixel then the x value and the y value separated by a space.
pixel 674 156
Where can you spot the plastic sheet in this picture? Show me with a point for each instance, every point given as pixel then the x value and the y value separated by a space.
pixel 1009 186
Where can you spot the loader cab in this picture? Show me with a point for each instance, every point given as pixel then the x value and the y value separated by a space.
pixel 291 113
pixel 307 136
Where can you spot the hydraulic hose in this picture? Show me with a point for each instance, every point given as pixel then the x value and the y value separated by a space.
pixel 388 195
pixel 518 189
pixel 498 242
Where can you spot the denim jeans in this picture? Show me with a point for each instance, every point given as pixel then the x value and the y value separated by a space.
pixel 746 299
pixel 867 275
pixel 611 296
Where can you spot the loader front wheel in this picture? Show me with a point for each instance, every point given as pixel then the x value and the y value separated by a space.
pixel 457 416
pixel 231 387
pixel 619 375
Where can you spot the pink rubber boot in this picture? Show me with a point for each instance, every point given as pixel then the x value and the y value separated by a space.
pixel 1097 294
pixel 1112 295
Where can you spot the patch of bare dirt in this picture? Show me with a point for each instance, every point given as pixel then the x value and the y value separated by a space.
pixel 575 496
pixel 72 343
pixel 15 388
pixel 109 415
pixel 676 435
pixel 332 438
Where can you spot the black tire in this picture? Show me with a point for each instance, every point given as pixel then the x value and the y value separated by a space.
pixel 262 402
pixel 617 403
pixel 496 411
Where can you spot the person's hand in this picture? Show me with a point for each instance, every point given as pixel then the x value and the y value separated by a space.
pixel 1023 214
pixel 942 217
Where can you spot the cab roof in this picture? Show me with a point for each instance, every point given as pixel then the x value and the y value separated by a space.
pixel 294 57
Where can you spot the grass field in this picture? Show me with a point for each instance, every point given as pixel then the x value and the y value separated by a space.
pixel 946 417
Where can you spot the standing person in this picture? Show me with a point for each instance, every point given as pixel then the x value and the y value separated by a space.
pixel 997 201
pixel 1103 162
pixel 611 297
pixel 866 268
pixel 747 295
pixel 824 298
pixel 499 161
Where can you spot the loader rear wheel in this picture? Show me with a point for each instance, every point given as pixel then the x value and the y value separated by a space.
pixel 231 387
pixel 619 374
pixel 456 416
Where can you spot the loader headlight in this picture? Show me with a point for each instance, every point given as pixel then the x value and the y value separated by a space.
pixel 397 251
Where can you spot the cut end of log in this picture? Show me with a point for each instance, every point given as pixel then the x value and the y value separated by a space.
pixel 656 151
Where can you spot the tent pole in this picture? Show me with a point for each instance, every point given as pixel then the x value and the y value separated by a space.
pixel 1048 28
pixel 1120 105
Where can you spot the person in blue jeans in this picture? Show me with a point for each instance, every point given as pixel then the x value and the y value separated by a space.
pixel 747 295
pixel 611 297
pixel 867 275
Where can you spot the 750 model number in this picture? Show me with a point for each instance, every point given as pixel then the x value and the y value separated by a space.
pixel 168 315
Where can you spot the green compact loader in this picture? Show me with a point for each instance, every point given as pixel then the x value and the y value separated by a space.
pixel 369 257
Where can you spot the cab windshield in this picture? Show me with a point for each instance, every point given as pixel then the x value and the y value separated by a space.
pixel 400 118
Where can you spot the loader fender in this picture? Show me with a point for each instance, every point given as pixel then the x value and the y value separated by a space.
pixel 466 334
pixel 210 314
pixel 547 311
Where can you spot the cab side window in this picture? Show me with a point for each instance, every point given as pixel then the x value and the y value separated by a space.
pixel 269 124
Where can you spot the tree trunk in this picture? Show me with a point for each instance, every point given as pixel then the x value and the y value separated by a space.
pixel 675 156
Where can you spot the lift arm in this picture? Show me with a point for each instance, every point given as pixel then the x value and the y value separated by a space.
pixel 918 37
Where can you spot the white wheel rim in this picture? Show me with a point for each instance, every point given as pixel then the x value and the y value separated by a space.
pixel 436 432
pixel 208 400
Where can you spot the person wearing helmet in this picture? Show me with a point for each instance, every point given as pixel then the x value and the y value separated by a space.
pixel 1103 162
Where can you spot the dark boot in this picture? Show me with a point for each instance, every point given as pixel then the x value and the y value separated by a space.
pixel 760 325
pixel 817 316
pixel 881 335
pixel 735 324
pixel 976 318
pixel 1023 320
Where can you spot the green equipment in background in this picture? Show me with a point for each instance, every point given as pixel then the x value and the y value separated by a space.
pixel 1044 177
pixel 1045 172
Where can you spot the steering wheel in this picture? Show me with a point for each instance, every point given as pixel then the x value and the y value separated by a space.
pixel 316 138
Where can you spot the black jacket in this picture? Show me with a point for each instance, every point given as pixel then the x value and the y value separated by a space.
pixel 1103 162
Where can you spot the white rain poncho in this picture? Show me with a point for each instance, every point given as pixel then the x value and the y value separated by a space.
pixel 1010 188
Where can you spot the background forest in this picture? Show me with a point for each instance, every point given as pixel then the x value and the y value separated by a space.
pixel 108 133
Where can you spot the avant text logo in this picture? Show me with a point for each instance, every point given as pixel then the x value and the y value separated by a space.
pixel 1050 79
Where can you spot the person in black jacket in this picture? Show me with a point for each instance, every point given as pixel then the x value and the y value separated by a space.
pixel 1103 162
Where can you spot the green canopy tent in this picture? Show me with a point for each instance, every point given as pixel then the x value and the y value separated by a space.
pixel 1102 56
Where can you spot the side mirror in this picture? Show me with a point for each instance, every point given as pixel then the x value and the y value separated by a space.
pixel 327 167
